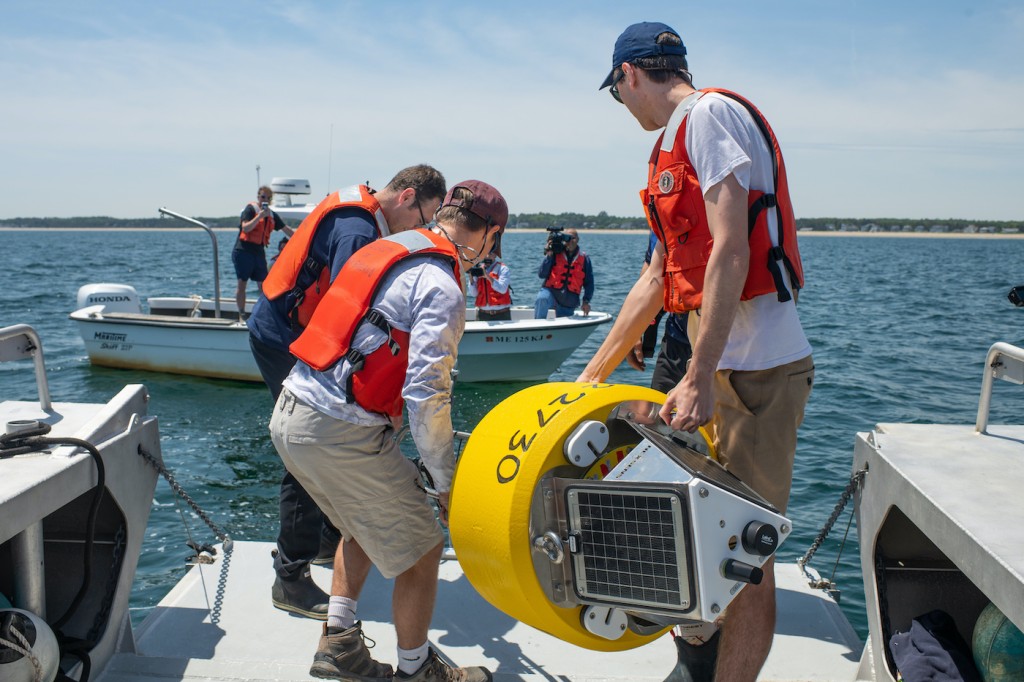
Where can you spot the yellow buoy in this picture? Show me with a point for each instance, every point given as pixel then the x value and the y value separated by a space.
pixel 508 454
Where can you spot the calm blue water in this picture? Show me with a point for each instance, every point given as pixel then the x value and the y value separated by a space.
pixel 899 328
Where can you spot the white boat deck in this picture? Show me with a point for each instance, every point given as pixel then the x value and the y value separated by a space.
pixel 935 459
pixel 941 506
pixel 31 482
pixel 219 625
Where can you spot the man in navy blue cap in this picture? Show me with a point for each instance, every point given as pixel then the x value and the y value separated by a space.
pixel 718 199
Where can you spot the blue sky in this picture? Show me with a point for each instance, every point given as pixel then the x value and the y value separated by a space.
pixel 883 109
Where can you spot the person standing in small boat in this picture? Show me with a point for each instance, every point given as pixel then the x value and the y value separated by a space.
pixel 249 256
pixel 717 197
pixel 341 224
pixel 386 334
pixel 567 273
pixel 491 288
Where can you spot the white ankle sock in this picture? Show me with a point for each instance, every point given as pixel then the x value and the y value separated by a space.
pixel 341 613
pixel 411 660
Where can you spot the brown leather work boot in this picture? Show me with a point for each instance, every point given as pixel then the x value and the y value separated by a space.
pixel 343 655
pixel 436 670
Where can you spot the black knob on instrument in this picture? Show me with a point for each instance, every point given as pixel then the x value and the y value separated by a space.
pixel 760 539
pixel 737 570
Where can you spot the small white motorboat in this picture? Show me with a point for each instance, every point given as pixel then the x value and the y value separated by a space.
pixel 204 337
pixel 183 335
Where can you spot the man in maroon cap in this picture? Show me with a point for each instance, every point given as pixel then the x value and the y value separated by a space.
pixel 386 333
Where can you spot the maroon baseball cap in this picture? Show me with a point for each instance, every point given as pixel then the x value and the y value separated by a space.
pixel 485 203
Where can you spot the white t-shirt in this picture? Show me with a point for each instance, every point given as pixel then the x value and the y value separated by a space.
pixel 723 139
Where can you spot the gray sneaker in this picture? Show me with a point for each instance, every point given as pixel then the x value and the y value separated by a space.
pixel 436 670
pixel 343 655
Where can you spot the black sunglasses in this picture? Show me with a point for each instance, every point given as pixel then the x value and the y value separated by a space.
pixel 423 219
pixel 615 87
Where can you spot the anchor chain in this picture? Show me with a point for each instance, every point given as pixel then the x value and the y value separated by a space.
pixel 881 585
pixel 844 498
pixel 176 487
pixel 222 582
pixel 100 621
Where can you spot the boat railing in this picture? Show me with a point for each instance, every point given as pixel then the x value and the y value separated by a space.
pixel 216 259
pixel 1006 362
pixel 21 342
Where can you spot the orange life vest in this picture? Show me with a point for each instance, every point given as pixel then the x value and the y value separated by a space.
pixel 675 209
pixel 376 381
pixel 486 296
pixel 296 258
pixel 261 233
pixel 565 274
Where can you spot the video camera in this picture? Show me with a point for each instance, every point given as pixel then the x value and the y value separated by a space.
pixel 1016 296
pixel 479 270
pixel 557 240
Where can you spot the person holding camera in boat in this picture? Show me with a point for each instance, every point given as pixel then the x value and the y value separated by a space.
pixel 717 197
pixel 340 225
pixel 249 256
pixel 490 286
pixel 567 274
pixel 386 334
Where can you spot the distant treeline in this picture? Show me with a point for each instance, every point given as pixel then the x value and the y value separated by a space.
pixel 601 221
pixel 107 222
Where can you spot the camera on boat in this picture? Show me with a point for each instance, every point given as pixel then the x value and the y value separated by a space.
pixel 557 240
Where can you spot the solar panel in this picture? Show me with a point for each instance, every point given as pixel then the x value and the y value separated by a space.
pixel 631 546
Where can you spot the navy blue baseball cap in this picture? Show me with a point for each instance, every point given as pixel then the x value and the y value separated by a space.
pixel 639 41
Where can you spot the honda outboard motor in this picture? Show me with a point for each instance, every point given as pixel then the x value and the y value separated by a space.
pixel 115 298
pixel 577 511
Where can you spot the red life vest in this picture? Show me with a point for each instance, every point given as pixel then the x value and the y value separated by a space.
pixel 486 296
pixel 296 259
pixel 675 209
pixel 376 381
pixel 565 274
pixel 261 233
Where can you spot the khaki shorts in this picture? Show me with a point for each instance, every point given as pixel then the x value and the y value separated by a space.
pixel 754 428
pixel 361 480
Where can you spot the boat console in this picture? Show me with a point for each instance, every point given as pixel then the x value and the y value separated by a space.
pixel 286 188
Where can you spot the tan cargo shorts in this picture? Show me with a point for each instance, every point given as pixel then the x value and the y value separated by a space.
pixel 755 423
pixel 360 479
